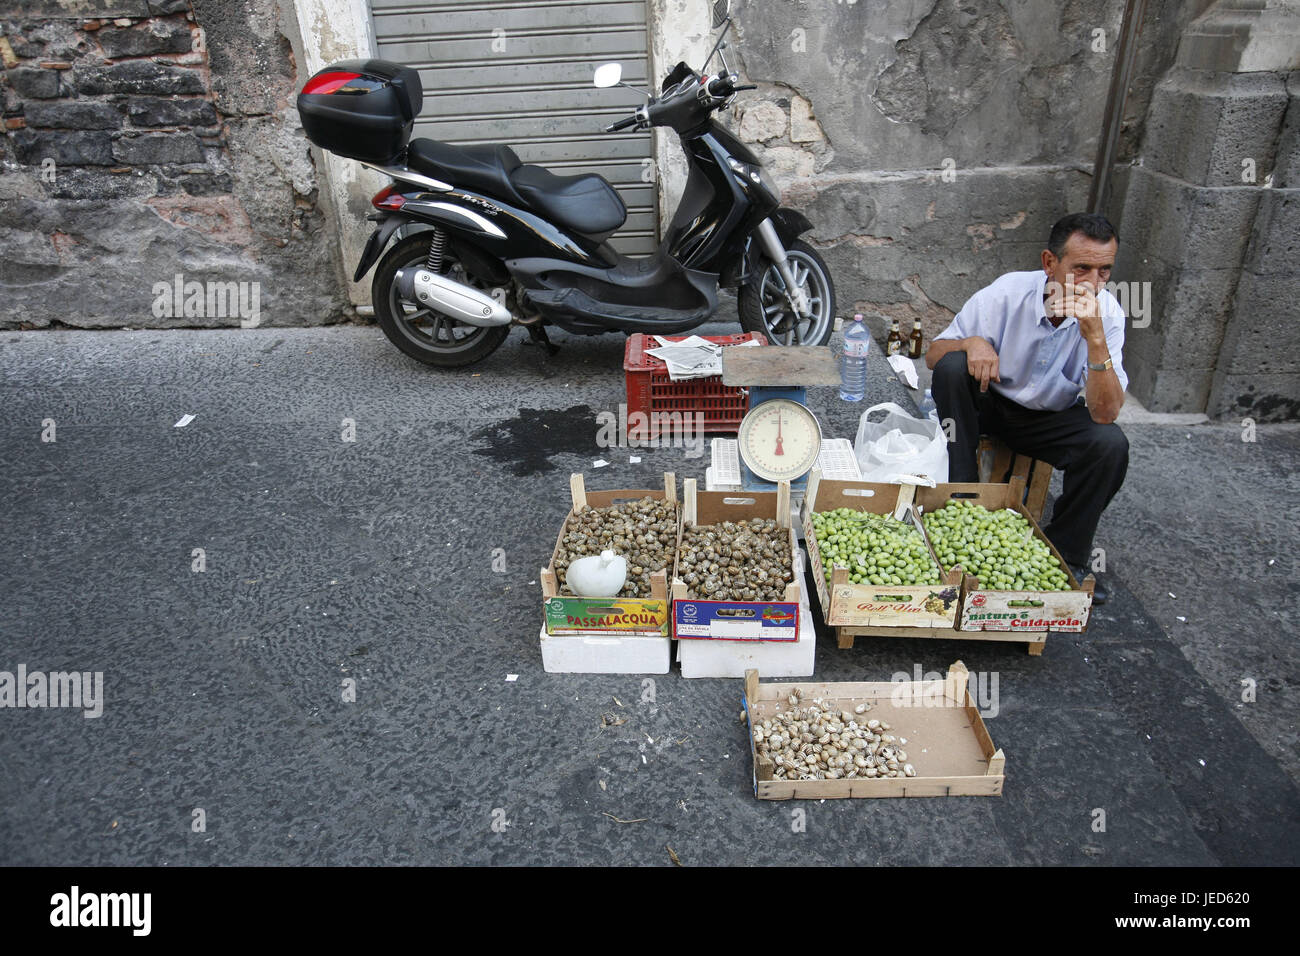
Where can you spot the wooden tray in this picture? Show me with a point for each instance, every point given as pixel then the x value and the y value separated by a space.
pixel 938 717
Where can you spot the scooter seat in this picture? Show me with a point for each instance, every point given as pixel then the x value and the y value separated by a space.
pixel 587 204
pixel 483 169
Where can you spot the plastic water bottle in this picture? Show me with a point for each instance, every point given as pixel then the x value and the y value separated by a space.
pixel 853 361
pixel 928 408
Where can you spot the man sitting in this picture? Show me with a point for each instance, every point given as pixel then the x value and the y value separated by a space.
pixel 1013 363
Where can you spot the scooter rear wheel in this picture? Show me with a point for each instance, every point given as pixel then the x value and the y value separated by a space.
pixel 423 334
pixel 764 308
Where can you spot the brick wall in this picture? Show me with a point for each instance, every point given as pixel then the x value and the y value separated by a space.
pixel 152 140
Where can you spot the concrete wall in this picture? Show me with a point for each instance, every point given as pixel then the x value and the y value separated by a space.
pixel 1213 209
pixel 934 143
pixel 146 139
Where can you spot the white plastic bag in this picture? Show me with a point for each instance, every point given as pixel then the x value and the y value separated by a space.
pixel 900 445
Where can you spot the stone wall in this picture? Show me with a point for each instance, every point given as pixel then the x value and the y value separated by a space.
pixel 933 144
pixel 151 139
pixel 1213 212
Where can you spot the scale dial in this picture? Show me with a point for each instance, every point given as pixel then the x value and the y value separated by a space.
pixel 779 440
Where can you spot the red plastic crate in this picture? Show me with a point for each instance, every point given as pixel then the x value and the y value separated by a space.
pixel 651 392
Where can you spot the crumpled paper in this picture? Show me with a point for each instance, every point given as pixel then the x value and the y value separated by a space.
pixel 905 369
pixel 693 357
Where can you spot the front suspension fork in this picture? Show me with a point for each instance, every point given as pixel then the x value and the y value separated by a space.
pixel 795 294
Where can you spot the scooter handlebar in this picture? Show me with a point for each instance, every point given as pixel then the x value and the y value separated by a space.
pixel 641 117
pixel 720 86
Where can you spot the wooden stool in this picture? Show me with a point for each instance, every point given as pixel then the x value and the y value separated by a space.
pixel 997 464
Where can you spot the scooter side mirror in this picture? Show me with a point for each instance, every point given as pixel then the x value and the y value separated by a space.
pixel 721 10
pixel 608 74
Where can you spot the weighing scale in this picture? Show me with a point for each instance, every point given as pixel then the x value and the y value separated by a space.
pixel 779 437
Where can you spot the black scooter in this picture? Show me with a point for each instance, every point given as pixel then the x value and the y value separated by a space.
pixel 485 241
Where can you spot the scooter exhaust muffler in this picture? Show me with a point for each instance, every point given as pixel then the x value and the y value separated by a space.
pixel 453 299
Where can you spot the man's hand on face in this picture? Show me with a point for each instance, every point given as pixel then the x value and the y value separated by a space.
pixel 982 362
pixel 1081 302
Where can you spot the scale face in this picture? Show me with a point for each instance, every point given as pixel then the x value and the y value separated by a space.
pixel 779 440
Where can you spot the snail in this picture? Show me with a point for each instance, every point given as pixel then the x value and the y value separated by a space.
pixel 736 561
pixel 642 532
pixel 815 744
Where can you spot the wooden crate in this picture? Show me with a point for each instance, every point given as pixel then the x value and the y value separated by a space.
pixel 1034 641
pixel 866 605
pixel 702 508
pixel 648 616
pixel 993 612
pixel 998 464
pixel 939 717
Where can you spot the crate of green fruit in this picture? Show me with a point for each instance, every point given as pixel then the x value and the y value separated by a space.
pixel 870 559
pixel 1015 579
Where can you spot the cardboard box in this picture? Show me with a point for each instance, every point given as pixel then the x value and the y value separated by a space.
pixel 603 653
pixel 698 618
pixel 986 609
pixel 734 658
pixel 948 743
pixel 875 605
pixel 569 614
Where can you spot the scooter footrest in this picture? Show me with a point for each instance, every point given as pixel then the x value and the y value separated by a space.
pixel 576 304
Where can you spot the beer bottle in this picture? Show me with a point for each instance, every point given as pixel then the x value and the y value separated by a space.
pixel 914 342
pixel 894 344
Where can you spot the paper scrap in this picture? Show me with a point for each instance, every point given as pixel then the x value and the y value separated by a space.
pixel 692 357
pixel 599 463
pixel 511 678
pixel 636 460
pixel 905 369
pixel 1183 619
pixel 185 420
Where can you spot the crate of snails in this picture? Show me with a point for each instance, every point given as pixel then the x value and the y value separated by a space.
pixel 826 741
pixel 871 560
pixel 609 570
pixel 736 577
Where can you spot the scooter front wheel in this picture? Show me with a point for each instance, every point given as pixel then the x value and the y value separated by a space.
pixel 423 334
pixel 765 307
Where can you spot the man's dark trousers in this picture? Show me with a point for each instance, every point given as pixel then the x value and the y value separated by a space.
pixel 1093 458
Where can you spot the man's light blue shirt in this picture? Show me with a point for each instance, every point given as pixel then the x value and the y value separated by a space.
pixel 1041 367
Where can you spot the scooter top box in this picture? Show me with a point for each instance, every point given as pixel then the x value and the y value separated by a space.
pixel 361 109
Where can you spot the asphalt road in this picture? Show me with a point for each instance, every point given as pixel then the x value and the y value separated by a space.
pixel 372 560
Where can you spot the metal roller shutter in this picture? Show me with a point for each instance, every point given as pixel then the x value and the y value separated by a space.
pixel 520 73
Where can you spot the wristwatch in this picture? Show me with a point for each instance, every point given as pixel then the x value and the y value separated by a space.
pixel 1102 367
